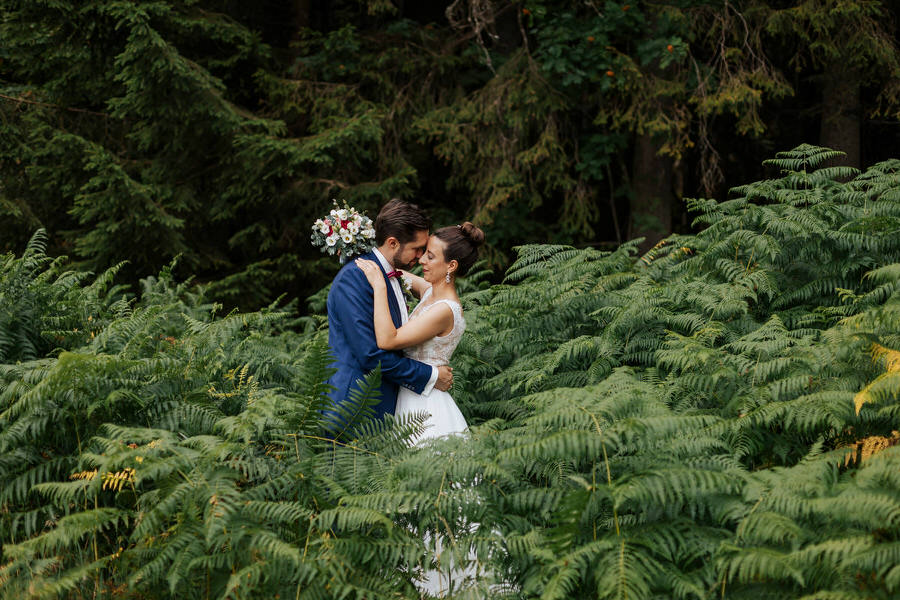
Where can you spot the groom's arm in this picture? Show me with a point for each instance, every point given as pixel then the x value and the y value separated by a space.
pixel 352 312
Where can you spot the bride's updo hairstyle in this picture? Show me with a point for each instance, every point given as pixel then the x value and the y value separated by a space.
pixel 462 243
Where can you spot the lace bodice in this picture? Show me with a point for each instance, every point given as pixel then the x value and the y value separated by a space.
pixel 438 350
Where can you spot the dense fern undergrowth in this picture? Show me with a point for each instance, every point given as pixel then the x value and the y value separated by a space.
pixel 715 419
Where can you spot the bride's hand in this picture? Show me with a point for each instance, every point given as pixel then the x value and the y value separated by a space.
pixel 371 270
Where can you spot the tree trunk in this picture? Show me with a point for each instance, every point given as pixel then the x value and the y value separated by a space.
pixel 841 115
pixel 652 198
pixel 302 14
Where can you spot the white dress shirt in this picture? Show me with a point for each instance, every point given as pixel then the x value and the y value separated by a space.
pixel 404 315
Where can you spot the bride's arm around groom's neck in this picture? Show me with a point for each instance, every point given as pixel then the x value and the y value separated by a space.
pixel 417 284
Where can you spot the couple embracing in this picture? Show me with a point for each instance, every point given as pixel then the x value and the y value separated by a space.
pixel 370 326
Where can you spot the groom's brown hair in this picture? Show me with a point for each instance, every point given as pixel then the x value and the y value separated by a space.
pixel 400 219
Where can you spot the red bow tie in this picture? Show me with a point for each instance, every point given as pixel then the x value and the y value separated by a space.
pixel 394 274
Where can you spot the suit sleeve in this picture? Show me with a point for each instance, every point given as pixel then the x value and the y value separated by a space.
pixel 352 313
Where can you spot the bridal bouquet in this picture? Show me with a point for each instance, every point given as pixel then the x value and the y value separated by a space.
pixel 345 232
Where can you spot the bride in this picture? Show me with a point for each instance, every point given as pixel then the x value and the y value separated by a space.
pixel 435 325
pixel 431 335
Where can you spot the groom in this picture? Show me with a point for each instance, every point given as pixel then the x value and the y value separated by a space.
pixel 401 234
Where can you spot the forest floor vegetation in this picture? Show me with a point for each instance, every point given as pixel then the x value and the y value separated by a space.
pixel 716 418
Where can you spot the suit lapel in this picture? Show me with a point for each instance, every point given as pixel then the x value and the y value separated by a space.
pixel 392 297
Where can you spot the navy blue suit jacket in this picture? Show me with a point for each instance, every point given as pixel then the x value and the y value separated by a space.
pixel 351 336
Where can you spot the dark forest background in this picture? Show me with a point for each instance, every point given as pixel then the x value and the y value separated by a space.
pixel 218 131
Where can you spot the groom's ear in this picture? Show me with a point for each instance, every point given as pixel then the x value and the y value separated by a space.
pixel 391 242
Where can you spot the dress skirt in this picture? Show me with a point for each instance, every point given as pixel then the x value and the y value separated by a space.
pixel 445 417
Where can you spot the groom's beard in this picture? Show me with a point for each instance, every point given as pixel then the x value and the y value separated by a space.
pixel 406 266
pixel 395 260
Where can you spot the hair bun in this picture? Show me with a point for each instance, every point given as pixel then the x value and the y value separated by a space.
pixel 475 235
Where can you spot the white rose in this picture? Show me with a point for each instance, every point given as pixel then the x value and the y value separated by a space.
pixel 342 214
pixel 331 240
pixel 353 227
pixel 347 236
pixel 323 227
pixel 368 233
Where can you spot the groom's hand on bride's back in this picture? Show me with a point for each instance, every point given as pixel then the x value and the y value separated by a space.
pixel 445 378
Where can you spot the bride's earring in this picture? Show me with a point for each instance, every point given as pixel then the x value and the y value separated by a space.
pixel 447 278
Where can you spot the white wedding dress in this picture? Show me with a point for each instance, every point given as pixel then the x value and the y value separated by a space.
pixel 445 417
